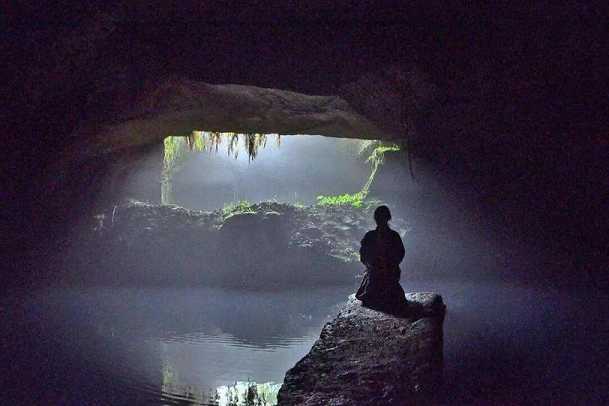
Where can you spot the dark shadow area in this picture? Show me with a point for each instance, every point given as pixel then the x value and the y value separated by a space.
pixel 502 111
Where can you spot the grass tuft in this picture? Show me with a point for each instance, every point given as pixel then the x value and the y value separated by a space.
pixel 354 199
pixel 240 207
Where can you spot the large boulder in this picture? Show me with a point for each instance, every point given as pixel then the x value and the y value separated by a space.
pixel 367 357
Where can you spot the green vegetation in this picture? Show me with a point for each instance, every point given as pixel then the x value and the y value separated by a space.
pixel 377 150
pixel 240 207
pixel 365 147
pixel 252 142
pixel 354 199
pixel 174 153
pixel 177 149
pixel 376 159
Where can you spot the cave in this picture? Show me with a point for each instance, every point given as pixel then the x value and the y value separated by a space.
pixel 289 236
pixel 149 146
pixel 236 210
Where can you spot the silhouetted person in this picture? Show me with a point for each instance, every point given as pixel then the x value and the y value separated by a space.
pixel 381 252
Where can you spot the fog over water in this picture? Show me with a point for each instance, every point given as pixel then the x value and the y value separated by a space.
pixel 155 346
pixel 508 338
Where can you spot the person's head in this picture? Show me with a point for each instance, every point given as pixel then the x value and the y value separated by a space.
pixel 382 215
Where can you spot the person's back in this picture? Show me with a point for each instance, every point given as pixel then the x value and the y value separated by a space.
pixel 381 252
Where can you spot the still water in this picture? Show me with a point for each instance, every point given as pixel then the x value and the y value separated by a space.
pixel 101 346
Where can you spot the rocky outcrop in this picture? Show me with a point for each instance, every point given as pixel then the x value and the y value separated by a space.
pixel 260 246
pixel 367 357
pixel 179 106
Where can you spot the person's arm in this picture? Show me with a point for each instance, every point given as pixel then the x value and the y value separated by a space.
pixel 364 251
pixel 400 252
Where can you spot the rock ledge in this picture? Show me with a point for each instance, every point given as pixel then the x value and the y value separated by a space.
pixel 367 357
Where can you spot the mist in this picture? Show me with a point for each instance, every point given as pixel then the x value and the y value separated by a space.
pixel 507 330
pixel 295 170
pixel 507 315
pixel 446 236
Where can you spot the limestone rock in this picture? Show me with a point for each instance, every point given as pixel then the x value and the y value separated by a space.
pixel 179 106
pixel 367 357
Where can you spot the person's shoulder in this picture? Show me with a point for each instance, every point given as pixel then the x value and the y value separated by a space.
pixel 395 234
pixel 369 234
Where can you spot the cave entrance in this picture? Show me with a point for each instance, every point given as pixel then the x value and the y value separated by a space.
pixel 212 170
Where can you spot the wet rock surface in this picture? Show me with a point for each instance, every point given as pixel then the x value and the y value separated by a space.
pixel 264 245
pixel 367 357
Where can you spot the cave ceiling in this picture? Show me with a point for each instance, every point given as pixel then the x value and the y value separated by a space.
pixel 179 106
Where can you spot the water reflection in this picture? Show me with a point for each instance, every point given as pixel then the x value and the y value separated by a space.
pixel 248 393
pixel 503 343
pixel 245 337
pixel 166 346
pixel 238 394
